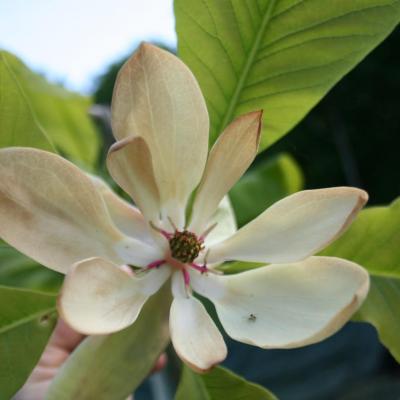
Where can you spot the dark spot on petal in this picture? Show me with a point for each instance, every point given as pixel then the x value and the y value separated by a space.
pixel 252 318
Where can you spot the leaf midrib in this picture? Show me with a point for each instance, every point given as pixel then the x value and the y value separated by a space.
pixel 26 319
pixel 249 62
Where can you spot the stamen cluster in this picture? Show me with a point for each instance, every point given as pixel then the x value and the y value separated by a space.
pixel 185 246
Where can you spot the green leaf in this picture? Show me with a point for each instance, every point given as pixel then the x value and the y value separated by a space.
pixel 61 113
pixel 17 270
pixel 111 367
pixel 263 185
pixel 381 309
pixel 27 319
pixel 282 56
pixel 18 123
pixel 219 384
pixel 373 242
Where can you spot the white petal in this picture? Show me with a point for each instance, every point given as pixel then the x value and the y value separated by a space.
pixel 99 298
pixel 294 228
pixel 196 339
pixel 136 253
pixel 51 211
pixel 178 285
pixel 229 158
pixel 286 305
pixel 157 97
pixel 125 216
pixel 224 217
pixel 130 164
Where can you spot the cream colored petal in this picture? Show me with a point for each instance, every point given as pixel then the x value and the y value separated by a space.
pixel 225 221
pixel 130 164
pixel 287 305
pixel 51 211
pixel 125 216
pixel 196 339
pixel 294 228
pixel 229 158
pixel 133 252
pixel 99 298
pixel 178 285
pixel 157 97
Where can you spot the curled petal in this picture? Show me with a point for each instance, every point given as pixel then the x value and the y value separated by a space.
pixel 294 228
pixel 130 164
pixel 51 211
pixel 98 297
pixel 157 97
pixel 229 158
pixel 194 335
pixel 224 221
pixel 223 225
pixel 125 216
pixel 286 305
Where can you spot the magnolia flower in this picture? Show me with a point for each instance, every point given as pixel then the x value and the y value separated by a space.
pixel 72 223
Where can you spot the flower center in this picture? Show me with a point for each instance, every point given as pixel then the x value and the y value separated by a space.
pixel 185 246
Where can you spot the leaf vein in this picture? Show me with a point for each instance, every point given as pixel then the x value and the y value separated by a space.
pixel 321 23
pixel 201 61
pixel 282 92
pixel 246 68
pixel 295 71
pixel 26 320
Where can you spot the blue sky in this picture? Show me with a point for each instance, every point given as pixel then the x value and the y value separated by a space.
pixel 73 41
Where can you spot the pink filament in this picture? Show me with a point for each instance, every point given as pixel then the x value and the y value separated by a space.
pixel 155 264
pixel 201 268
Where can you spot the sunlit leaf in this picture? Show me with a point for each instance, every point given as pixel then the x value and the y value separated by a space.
pixel 18 123
pixel 219 384
pixel 373 242
pixel 263 185
pixel 27 319
pixel 111 367
pixel 62 114
pixel 278 55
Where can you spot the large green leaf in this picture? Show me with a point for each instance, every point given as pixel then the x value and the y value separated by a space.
pixel 61 113
pixel 373 241
pixel 27 319
pixel 278 55
pixel 111 367
pixel 18 123
pixel 263 185
pixel 219 384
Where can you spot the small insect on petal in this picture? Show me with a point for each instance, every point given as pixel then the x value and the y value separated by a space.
pixel 252 318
